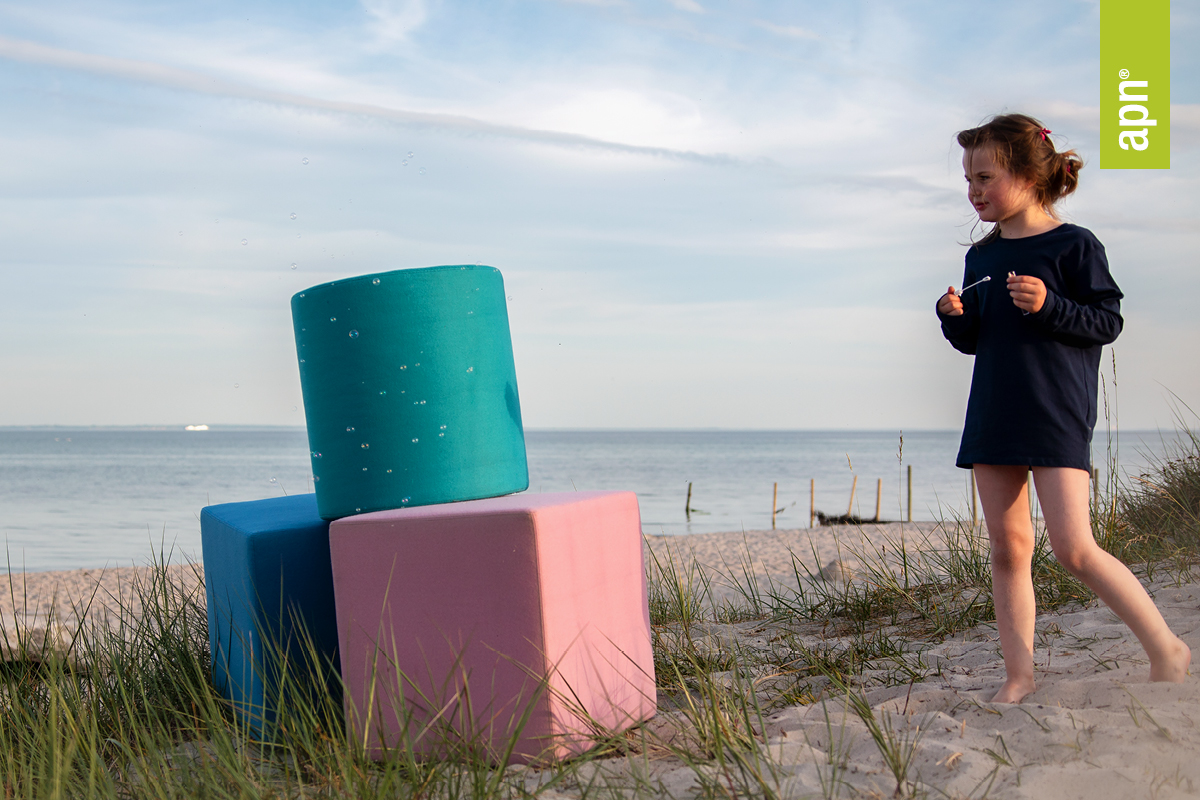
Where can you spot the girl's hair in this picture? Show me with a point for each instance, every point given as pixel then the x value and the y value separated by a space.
pixel 1022 146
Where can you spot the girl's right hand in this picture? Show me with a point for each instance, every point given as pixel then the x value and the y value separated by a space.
pixel 950 304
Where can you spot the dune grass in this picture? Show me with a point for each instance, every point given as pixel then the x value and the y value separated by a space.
pixel 129 711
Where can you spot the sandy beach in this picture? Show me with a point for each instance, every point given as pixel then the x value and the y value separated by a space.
pixel 45 609
pixel 1095 728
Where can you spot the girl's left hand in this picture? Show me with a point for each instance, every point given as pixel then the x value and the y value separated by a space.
pixel 1028 293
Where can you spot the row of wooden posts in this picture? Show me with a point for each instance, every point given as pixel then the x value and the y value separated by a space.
pixel 812 498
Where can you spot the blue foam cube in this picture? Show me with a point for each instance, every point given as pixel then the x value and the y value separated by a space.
pixel 269 586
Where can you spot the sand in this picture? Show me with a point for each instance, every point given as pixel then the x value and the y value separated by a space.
pixel 1095 728
pixel 40 610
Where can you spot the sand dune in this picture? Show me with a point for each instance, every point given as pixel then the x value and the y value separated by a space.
pixel 1095 728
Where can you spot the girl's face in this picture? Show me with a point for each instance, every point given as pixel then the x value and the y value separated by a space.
pixel 996 194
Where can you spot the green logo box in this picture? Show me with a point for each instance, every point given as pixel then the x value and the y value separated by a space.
pixel 1135 84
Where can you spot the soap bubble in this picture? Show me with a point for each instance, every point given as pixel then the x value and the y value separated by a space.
pixel 404 163
pixel 366 446
pixel 410 153
pixel 315 478
pixel 245 241
pixel 404 366
pixel 236 385
pixel 441 434
pixel 333 319
pixel 302 361
pixel 406 500
pixel 470 369
pixel 353 334
pixel 381 394
pixel 315 454
pixel 293 216
pixel 443 427
pixel 389 472
pixel 302 294
pixel 304 161
pixel 293 267
pixel 375 282
pixel 421 171
pixel 358 509
pixel 274 480
pixel 414 441
pixel 350 430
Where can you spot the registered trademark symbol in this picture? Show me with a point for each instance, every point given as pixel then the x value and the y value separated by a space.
pixel 1124 74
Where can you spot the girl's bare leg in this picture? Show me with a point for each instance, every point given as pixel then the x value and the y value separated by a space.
pixel 1002 490
pixel 1064 498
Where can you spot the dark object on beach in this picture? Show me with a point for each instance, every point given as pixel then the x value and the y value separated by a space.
pixel 847 519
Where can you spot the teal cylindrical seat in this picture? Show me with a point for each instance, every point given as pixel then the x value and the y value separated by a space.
pixel 409 389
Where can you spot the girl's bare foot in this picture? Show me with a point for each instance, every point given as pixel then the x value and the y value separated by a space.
pixel 1173 666
pixel 1014 690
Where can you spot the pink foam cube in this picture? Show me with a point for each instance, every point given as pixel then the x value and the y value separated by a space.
pixel 518 624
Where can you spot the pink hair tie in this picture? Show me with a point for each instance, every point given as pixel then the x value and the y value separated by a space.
pixel 1045 132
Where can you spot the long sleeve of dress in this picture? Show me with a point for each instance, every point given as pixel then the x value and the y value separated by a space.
pixel 962 331
pixel 1094 317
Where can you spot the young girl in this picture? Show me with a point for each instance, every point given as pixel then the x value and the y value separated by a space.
pixel 1035 325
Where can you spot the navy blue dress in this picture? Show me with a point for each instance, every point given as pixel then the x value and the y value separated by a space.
pixel 1033 391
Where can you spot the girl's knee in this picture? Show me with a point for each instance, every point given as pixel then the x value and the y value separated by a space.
pixel 1077 559
pixel 1012 556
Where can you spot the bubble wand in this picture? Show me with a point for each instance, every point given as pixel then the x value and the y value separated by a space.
pixel 984 279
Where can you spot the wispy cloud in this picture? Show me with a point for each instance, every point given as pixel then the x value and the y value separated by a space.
pixel 620 3
pixel 690 6
pixel 395 19
pixel 188 80
pixel 790 31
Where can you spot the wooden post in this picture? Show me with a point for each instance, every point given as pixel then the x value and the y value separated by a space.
pixel 774 503
pixel 812 501
pixel 974 501
pixel 687 506
pixel 878 497
pixel 909 516
pixel 850 508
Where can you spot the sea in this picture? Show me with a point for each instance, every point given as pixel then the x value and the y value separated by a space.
pixel 73 498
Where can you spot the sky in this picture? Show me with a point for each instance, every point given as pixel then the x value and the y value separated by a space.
pixel 728 214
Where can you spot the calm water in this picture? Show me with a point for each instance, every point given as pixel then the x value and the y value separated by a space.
pixel 72 498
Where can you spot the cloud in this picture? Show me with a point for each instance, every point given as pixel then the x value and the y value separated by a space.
pixel 395 19
pixel 690 6
pixel 188 80
pixel 623 115
pixel 790 31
